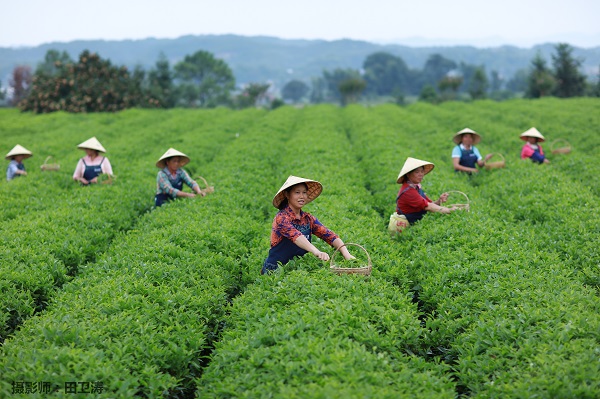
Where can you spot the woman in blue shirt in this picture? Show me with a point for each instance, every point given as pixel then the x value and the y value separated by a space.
pixel 170 178
pixel 16 167
pixel 465 156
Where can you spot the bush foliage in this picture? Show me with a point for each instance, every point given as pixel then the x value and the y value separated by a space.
pixel 501 301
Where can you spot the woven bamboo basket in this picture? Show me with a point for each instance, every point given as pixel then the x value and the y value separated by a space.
pixel 363 270
pixel 564 149
pixel 208 189
pixel 496 164
pixel 464 206
pixel 50 166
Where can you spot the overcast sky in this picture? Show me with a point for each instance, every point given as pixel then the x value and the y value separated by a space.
pixel 443 22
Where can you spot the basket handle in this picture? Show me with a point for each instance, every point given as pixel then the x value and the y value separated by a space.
pixel 208 189
pixel 497 153
pixel 559 141
pixel 459 192
pixel 47 158
pixel 345 245
pixel 203 179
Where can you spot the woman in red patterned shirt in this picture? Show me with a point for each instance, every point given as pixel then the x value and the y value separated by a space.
pixel 412 202
pixel 293 228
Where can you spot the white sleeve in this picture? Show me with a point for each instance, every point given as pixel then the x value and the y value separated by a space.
pixel 107 167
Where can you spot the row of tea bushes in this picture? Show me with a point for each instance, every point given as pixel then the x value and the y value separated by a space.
pixel 142 318
pixel 55 226
pixel 52 226
pixel 38 255
pixel 505 305
pixel 505 310
pixel 314 334
pixel 305 332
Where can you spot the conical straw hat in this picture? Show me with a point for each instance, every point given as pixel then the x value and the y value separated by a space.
pixel 412 164
pixel 18 150
pixel 314 189
pixel 172 152
pixel 533 132
pixel 458 136
pixel 92 144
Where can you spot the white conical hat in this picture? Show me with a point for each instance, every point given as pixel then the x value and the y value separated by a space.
pixel 458 136
pixel 18 150
pixel 533 132
pixel 314 189
pixel 412 164
pixel 172 152
pixel 92 144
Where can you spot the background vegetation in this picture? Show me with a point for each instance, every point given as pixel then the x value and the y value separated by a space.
pixel 392 73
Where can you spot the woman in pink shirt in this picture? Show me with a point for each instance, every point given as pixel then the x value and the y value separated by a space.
pixel 532 149
pixel 93 164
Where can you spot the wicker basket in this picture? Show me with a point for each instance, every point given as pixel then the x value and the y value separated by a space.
pixel 565 149
pixel 464 206
pixel 208 189
pixel 363 270
pixel 105 178
pixel 50 166
pixel 496 164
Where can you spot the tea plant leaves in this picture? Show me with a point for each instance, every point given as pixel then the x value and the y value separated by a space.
pixel 501 301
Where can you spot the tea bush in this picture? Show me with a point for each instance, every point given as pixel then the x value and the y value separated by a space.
pixel 501 301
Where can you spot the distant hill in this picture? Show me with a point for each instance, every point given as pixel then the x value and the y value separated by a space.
pixel 260 59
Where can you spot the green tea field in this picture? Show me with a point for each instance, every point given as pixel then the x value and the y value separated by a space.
pixel 101 295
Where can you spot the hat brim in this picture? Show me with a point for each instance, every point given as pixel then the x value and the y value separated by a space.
pixel 93 149
pixel 428 168
pixel 411 164
pixel 163 162
pixel 458 137
pixel 540 139
pixel 532 132
pixel 92 144
pixel 25 156
pixel 18 150
pixel 314 189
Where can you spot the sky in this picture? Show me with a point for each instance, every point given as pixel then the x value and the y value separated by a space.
pixel 480 23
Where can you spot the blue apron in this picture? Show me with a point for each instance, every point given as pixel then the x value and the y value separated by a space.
pixel 467 158
pixel 537 156
pixel 92 171
pixel 176 182
pixel 415 216
pixel 286 250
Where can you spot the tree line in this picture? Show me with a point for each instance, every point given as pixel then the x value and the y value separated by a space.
pixel 442 79
pixel 93 84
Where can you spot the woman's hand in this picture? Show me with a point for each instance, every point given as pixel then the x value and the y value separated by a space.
pixel 446 210
pixel 94 180
pixel 321 255
pixel 84 181
pixel 443 198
